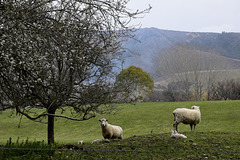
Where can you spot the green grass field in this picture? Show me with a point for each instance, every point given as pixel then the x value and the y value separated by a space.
pixel 140 119
pixel 147 129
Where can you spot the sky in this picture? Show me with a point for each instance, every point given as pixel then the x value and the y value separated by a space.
pixel 189 15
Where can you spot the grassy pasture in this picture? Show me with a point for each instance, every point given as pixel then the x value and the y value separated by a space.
pixel 139 119
pixel 146 127
pixel 199 145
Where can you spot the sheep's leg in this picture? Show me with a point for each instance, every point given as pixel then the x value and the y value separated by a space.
pixel 175 124
pixel 194 127
pixel 108 136
pixel 191 127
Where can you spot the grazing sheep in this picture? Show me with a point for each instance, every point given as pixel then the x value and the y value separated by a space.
pixel 110 131
pixel 177 135
pixel 187 116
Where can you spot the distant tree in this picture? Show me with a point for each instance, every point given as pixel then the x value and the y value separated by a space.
pixel 190 72
pixel 169 95
pixel 137 83
pixel 60 54
pixel 229 89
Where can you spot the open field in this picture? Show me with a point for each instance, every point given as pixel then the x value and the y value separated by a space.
pixel 140 119
pixel 147 129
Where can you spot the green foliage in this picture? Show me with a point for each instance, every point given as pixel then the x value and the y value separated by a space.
pixel 136 81
pixel 136 75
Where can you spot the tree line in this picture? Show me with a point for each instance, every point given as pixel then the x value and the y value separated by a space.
pixel 185 73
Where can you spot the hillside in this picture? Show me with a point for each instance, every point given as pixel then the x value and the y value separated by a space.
pixel 202 145
pixel 147 129
pixel 150 42
pixel 139 119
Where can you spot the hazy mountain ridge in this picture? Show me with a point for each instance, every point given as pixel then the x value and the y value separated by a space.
pixel 151 41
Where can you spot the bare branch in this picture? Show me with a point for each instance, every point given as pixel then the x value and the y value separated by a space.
pixel 70 118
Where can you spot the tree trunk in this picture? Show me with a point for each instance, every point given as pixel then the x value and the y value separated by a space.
pixel 51 128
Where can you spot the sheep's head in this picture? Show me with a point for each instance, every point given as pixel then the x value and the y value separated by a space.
pixel 103 121
pixel 195 107
pixel 174 132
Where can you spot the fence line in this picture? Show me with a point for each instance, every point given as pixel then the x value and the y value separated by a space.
pixel 96 150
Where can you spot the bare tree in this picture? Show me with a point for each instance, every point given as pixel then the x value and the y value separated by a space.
pixel 189 71
pixel 58 53
pixel 228 89
pixel 174 66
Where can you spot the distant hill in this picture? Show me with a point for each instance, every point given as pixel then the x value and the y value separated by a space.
pixel 149 42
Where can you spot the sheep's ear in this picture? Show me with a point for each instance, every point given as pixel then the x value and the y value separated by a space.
pixel 106 120
pixel 100 120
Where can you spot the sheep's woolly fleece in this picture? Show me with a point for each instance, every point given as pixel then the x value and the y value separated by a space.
pixel 187 116
pixel 110 131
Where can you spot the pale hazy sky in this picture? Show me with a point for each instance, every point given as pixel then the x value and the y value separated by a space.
pixel 190 15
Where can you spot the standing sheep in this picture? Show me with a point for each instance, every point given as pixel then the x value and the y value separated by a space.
pixel 187 116
pixel 110 131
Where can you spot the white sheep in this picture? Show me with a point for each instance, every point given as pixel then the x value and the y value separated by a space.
pixel 110 131
pixel 100 141
pixel 80 142
pixel 187 116
pixel 177 135
pixel 96 141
